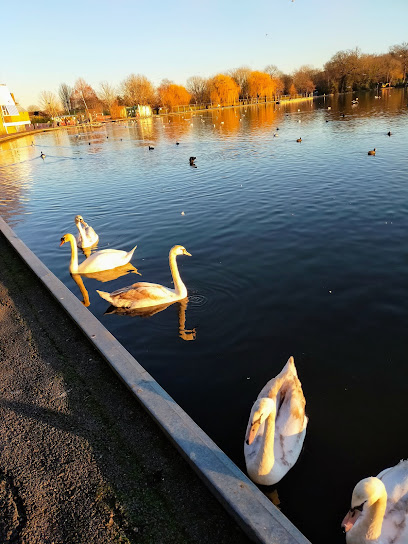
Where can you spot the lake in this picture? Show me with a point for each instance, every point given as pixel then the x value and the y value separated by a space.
pixel 297 249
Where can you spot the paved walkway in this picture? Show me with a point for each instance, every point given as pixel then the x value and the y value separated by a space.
pixel 80 461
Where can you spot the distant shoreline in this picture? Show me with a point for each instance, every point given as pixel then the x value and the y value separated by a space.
pixel 16 135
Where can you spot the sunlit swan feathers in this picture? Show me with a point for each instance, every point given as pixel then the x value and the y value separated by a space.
pixel 86 237
pixel 276 428
pixel 104 259
pixel 379 509
pixel 144 295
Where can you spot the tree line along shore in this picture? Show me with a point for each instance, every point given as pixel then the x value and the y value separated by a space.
pixel 345 71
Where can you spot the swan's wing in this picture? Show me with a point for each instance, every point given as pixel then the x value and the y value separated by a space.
pixel 143 291
pixel 100 252
pixel 90 233
pixel 395 524
pixel 272 388
pixel 291 422
pixel 395 480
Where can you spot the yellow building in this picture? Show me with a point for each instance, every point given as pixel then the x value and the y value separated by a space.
pixel 13 117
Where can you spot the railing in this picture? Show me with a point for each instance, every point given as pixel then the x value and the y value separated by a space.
pixel 241 102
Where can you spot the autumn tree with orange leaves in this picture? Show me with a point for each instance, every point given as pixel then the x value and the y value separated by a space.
pixel 173 95
pixel 261 84
pixel 223 90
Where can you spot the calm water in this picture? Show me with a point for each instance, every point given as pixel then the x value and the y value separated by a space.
pixel 297 249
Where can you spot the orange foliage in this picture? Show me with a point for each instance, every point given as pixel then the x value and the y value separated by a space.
pixel 173 95
pixel 261 84
pixel 292 90
pixel 223 90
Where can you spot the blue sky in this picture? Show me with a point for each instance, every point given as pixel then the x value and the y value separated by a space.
pixel 50 42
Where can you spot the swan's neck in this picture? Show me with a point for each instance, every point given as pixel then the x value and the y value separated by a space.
pixel 179 286
pixel 73 265
pixel 81 230
pixel 266 456
pixel 371 524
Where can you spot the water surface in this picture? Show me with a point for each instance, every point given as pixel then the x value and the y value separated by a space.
pixel 297 249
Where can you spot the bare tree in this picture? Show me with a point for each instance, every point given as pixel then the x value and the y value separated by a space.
pixel 137 89
pixel 65 92
pixel 273 71
pixel 83 96
pixel 49 103
pixel 400 52
pixel 33 107
pixel 240 76
pixel 107 94
pixel 342 69
pixel 303 79
pixel 198 88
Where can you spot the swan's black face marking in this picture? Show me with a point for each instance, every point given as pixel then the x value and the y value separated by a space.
pixel 359 508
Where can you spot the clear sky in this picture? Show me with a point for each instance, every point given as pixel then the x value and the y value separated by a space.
pixel 48 42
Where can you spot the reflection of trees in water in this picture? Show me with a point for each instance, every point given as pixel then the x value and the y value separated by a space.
pixel 228 119
pixel 16 160
pixel 147 129
pixel 179 126
pixel 391 101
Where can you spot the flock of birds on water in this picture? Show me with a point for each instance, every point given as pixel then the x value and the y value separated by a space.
pixel 277 423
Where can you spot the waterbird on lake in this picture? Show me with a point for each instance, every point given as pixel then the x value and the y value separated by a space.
pixel 192 159
pixel 42 155
pixel 150 148
pixel 379 508
pixel 177 143
pixel 389 133
pixel 145 295
pixel 371 152
pixel 87 237
pixel 299 140
pixel 276 428
pixel 104 259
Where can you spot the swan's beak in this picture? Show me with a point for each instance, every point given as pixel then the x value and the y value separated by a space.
pixel 62 242
pixel 189 254
pixel 349 520
pixel 252 432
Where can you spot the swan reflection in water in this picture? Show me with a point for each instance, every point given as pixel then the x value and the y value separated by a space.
pixel 184 334
pixel 103 276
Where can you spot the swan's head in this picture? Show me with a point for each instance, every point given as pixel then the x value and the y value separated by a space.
pixel 366 493
pixel 66 238
pixel 261 410
pixel 179 250
pixel 79 219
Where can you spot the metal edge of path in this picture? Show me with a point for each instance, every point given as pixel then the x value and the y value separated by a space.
pixel 253 512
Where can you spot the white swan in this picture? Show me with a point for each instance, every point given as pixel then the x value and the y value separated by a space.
pixel 104 259
pixel 144 295
pixel 87 237
pixel 379 509
pixel 276 428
